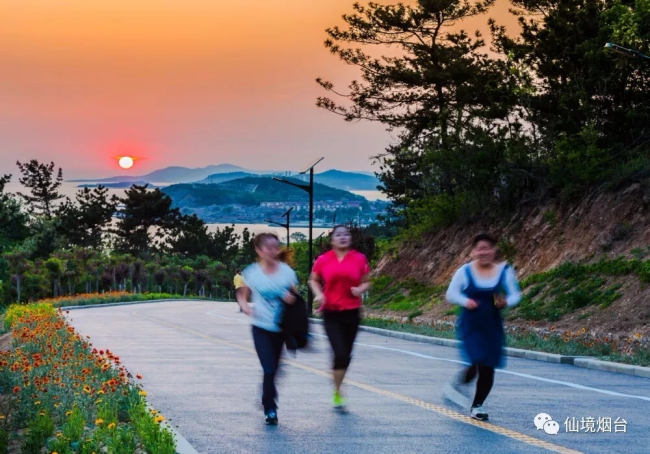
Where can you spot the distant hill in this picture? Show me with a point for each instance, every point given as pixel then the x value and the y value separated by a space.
pixel 223 177
pixel 251 191
pixel 348 181
pixel 120 185
pixel 172 175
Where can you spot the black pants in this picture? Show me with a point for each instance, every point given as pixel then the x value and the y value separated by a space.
pixel 269 350
pixel 341 328
pixel 484 383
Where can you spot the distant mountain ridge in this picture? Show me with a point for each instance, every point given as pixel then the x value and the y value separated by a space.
pixel 170 175
pixel 251 191
pixel 347 181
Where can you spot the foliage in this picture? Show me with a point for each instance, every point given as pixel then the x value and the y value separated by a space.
pixel 572 286
pixel 408 295
pixel 143 220
pixel 61 385
pixel 85 223
pixel 552 113
pixel 40 179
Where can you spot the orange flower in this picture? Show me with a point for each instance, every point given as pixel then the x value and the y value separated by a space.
pixel 16 389
pixel 139 377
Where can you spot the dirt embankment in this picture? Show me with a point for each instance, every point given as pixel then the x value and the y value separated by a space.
pixel 604 225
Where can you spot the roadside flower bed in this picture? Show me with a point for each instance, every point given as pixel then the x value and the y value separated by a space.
pixel 59 394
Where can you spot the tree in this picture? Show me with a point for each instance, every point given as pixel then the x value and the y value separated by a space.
pixel 225 243
pixel 443 94
pixel 160 276
pixel 40 179
pixel 54 266
pixel 590 107
pixel 185 273
pixel 189 237
pixel 85 223
pixel 145 218
pixel 298 237
pixel 247 254
pixel 18 265
pixel 13 222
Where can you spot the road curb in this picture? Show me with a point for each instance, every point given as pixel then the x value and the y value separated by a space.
pixel 578 361
pixel 131 303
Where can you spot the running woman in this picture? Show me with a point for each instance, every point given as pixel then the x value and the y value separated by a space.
pixel 270 283
pixel 339 278
pixel 482 288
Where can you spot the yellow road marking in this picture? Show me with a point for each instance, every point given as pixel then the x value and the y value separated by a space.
pixel 373 389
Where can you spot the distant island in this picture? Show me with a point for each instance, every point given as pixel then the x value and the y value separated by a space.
pixel 348 181
pixel 252 199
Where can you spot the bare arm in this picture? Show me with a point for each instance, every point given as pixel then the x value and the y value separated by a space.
pixel 363 288
pixel 243 295
pixel 316 285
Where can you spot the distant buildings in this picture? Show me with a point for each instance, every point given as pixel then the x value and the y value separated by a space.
pixel 303 206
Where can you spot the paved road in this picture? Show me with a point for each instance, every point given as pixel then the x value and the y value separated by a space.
pixel 200 370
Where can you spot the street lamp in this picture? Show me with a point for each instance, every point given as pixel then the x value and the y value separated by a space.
pixel 627 52
pixel 285 225
pixel 310 190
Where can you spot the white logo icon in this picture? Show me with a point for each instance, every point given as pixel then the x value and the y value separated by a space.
pixel 551 427
pixel 542 419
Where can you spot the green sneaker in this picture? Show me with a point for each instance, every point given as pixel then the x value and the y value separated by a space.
pixel 339 401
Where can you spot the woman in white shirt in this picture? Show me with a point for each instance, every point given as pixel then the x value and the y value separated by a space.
pixel 270 283
pixel 482 288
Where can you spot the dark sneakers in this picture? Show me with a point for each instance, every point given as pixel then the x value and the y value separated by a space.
pixel 272 418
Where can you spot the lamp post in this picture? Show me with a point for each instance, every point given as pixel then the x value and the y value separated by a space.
pixel 310 190
pixel 285 225
pixel 627 52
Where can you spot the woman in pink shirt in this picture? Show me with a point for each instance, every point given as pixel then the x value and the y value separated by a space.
pixel 339 278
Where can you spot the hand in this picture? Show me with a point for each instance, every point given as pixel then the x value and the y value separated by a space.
pixel 471 305
pixel 319 300
pixel 289 298
pixel 500 302
pixel 356 291
pixel 248 310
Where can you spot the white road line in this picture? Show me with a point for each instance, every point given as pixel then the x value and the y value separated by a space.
pixel 435 358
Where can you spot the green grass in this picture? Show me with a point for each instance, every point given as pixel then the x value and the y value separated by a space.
pixel 408 295
pixel 573 286
pixel 571 345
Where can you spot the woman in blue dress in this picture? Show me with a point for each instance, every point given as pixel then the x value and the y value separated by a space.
pixel 482 288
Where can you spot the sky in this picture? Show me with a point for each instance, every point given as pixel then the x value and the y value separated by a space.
pixel 176 82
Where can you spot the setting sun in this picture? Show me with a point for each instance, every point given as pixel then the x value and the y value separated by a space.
pixel 126 162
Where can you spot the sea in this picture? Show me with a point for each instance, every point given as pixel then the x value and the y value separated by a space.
pixel 70 190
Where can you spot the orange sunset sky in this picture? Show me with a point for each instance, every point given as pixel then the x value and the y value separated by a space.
pixel 178 82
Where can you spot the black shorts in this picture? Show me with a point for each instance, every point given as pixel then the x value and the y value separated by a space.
pixel 341 328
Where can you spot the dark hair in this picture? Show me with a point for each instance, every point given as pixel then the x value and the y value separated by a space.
pixel 484 237
pixel 238 271
pixel 286 255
